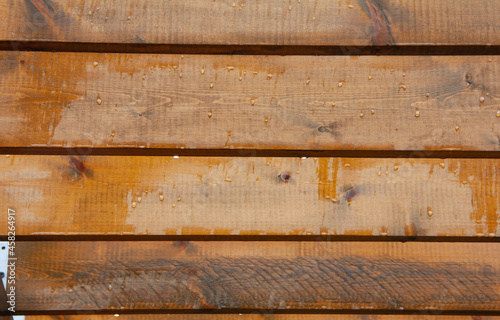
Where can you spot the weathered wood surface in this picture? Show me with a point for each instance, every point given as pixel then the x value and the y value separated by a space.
pixel 275 102
pixel 272 22
pixel 250 196
pixel 420 315
pixel 55 276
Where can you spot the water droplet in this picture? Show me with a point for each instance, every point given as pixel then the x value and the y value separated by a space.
pixel 134 204
pixel 129 17
pixel 481 99
pixel 202 71
pixel 241 78
pixel 402 87
pixel 180 75
pixel 334 200
pixel 417 113
pixel 161 197
pixel 176 157
pixel 230 68
pixel 70 290
pixel 99 101
pixel 427 94
pixel 303 158
pixel 266 120
pixel 442 165
pixel 210 114
pixel 211 85
pixel 252 101
pixel 396 168
pixel 340 84
pixel 457 128
pixel 96 64
pixel 139 199
pixel 234 4
pixel 314 18
pixel 110 287
pixel 347 165
pixel 350 6
pixel 379 173
pixel 498 113
pixel 333 104
pixel 373 111
pixel 383 234
pixel 290 8
pixel 227 179
pixel 173 205
pixel 429 211
pixel 113 133
pixel 117 315
pixel 308 81
pixel 179 199
pixel 361 115
pixel 269 76
pixel 369 77
pixel 386 172
pixel 90 13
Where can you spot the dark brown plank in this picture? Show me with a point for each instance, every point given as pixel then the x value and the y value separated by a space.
pixel 423 315
pixel 273 22
pixel 56 276
pixel 249 102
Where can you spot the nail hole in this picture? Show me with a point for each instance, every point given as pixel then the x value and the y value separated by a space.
pixel 3 248
pixel 2 275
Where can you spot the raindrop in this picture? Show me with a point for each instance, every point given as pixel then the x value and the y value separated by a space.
pixel 442 165
pixel 90 13
pixel 498 113
pixel 457 128
pixel 179 199
pixel 227 179
pixel 429 212
pixel 117 315
pixel 396 168
pixel 361 115
pixel 96 64
pixel 269 76
pixel 129 17
pixel 176 157
pixel 161 197
pixel 350 6
pixel 334 200
pixel 211 85
pixel 417 113
pixel 180 75
pixel 373 111
pixel 99 101
pixel 252 101
pixel 202 71
pixel 308 81
pixel 241 78
pixel 340 84
pixel 427 94
pixel 173 205
pixel 110 287
pixel 347 165
pixel 113 133
pixel 210 114
pixel 333 104
pixel 402 87
pixel 481 99
pixel 369 77
pixel 303 158
pixel 290 8
pixel 266 120
pixel 379 173
pixel 234 4
pixel 230 68
pixel 314 18
pixel 134 204
pixel 139 199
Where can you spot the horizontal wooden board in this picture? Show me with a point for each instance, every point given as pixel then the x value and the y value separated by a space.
pixel 54 276
pixel 249 102
pixel 73 194
pixel 272 22
pixel 422 315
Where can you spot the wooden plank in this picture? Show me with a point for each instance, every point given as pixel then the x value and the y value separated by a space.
pixel 250 196
pixel 273 22
pixel 420 315
pixel 293 102
pixel 55 276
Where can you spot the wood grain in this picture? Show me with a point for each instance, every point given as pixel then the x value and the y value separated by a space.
pixel 273 22
pixel 54 276
pixel 422 315
pixel 250 102
pixel 250 196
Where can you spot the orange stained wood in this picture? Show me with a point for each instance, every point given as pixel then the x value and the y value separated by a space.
pixel 182 275
pixel 250 196
pixel 248 102
pixel 273 22
pixel 423 315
